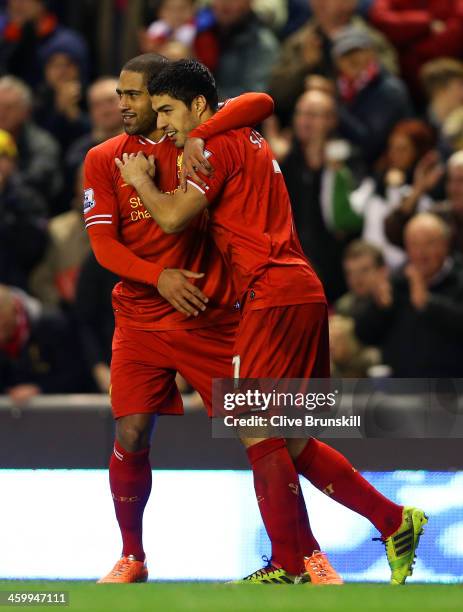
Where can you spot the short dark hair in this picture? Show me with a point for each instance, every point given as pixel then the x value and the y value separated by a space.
pixel 148 64
pixel 185 80
pixel 361 248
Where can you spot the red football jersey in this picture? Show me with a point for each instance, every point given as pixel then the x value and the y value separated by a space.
pixel 113 210
pixel 252 223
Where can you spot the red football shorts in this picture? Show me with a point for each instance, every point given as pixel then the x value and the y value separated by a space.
pixel 283 342
pixel 144 365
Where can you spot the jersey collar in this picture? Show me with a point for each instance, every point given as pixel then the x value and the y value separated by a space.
pixel 144 140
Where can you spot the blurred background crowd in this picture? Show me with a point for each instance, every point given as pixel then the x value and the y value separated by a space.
pixel 368 130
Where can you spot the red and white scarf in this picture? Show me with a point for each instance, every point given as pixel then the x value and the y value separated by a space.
pixel 350 88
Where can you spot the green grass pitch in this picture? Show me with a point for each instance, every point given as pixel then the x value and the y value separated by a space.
pixel 213 597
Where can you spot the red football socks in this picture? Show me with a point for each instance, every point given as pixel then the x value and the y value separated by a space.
pixel 307 540
pixel 130 482
pixel 280 501
pixel 332 473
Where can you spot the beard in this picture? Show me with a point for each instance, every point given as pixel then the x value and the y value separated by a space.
pixel 143 127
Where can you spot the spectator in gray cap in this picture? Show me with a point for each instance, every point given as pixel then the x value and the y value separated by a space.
pixel 308 51
pixel 372 100
pixel 350 39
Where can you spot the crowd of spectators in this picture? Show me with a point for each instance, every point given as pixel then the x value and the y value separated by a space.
pixel 368 131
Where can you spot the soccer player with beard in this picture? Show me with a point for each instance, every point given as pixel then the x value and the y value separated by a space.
pixel 283 332
pixel 172 302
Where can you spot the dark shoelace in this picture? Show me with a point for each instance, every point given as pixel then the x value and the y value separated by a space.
pixel 263 571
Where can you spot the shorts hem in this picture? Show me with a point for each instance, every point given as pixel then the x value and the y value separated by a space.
pixel 117 414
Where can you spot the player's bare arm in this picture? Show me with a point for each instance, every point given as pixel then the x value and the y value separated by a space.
pixel 172 212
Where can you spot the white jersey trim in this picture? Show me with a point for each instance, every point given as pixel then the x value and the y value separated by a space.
pixel 144 140
pixel 97 217
pixel 197 187
pixel 98 223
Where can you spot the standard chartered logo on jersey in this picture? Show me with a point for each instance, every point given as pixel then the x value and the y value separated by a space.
pixel 139 213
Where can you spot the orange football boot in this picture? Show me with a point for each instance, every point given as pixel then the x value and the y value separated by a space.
pixel 319 569
pixel 126 570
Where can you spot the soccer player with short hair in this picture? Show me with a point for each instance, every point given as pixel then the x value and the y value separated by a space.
pixel 174 299
pixel 283 332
